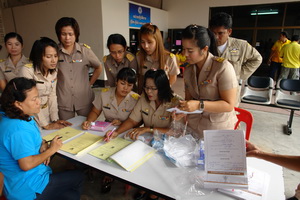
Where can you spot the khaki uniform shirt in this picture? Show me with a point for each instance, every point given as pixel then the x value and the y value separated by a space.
pixel 7 69
pixel 244 58
pixel 107 102
pixel 216 75
pixel 112 68
pixel 146 111
pixel 171 66
pixel 73 87
pixel 47 92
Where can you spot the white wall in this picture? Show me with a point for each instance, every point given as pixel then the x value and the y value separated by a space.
pixel 97 20
pixel 36 20
pixel 183 13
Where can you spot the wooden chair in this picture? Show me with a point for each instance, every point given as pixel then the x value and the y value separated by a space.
pixel 246 117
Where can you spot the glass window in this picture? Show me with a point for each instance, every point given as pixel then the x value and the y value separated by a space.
pixel 266 20
pixel 292 14
pixel 241 16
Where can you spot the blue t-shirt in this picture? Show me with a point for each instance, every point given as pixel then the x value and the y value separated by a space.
pixel 20 139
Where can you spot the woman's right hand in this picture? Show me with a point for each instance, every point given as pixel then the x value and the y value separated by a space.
pixel 56 143
pixel 108 135
pixel 86 125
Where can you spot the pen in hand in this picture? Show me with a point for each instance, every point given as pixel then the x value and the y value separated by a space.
pixel 108 135
pixel 52 139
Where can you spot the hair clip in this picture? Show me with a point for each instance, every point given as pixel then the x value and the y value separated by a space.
pixel 154 69
pixel 194 26
pixel 15 85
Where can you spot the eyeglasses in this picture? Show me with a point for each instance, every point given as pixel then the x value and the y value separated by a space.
pixel 117 52
pixel 150 88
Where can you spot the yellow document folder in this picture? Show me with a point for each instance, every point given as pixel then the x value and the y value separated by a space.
pixel 80 143
pixel 130 157
pixel 66 133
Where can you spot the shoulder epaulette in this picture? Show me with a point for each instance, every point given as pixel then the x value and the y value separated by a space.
pixel 130 57
pixel 2 60
pixel 104 59
pixel 104 89
pixel 172 55
pixel 87 46
pixel 135 96
pixel 28 65
pixel 219 59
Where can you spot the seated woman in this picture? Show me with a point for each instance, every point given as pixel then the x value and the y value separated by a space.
pixel 118 58
pixel 210 82
pixel 24 155
pixel 151 107
pixel 116 103
pixel 43 70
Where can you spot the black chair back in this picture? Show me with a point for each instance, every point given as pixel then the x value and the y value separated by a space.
pixel 291 85
pixel 259 82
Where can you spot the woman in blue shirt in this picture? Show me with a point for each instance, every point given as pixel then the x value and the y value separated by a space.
pixel 24 156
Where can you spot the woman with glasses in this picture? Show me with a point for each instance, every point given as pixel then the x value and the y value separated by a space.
pixel 151 107
pixel 210 82
pixel 9 68
pixel 118 58
pixel 153 55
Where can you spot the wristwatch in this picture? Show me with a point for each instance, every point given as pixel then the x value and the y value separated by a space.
pixel 201 105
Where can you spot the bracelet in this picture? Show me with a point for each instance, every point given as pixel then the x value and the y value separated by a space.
pixel 151 129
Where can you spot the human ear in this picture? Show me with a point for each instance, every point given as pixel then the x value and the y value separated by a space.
pixel 18 104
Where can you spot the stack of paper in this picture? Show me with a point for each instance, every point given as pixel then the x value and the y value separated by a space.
pixel 66 133
pixel 129 155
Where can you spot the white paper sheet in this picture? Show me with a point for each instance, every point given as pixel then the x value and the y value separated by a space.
pixel 225 159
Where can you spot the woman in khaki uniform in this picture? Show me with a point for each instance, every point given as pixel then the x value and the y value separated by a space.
pixel 43 70
pixel 74 93
pixel 9 68
pixel 210 83
pixel 152 55
pixel 151 107
pixel 117 102
pixel 118 58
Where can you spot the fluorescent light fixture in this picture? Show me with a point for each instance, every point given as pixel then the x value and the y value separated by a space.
pixel 264 12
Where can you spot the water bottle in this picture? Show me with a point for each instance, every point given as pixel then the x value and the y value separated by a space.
pixel 201 160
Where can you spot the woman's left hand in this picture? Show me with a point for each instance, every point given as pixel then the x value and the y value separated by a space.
pixel 43 148
pixel 189 106
pixel 116 122
pixel 136 132
pixel 63 122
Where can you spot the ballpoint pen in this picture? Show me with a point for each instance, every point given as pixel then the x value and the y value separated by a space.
pixel 52 139
pixel 109 134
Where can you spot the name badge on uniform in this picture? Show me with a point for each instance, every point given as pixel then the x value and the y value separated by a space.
pixel 61 61
pixel 7 71
pixel 77 61
pixel 146 111
pixel 145 67
pixel 234 50
pixel 125 110
pixel 40 82
pixel 164 117
pixel 106 107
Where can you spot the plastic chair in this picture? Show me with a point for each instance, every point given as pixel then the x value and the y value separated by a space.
pixel 246 117
pixel 285 99
pixel 260 90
